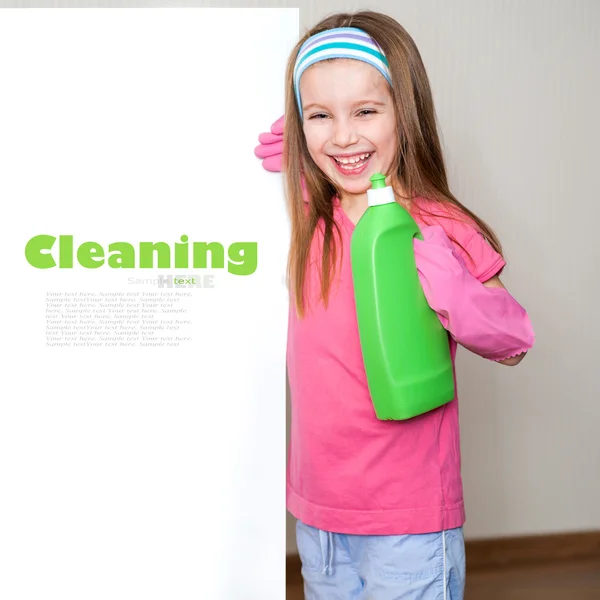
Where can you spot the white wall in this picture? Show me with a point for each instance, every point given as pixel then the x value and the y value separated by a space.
pixel 517 90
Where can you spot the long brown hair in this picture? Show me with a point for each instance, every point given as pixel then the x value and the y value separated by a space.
pixel 419 164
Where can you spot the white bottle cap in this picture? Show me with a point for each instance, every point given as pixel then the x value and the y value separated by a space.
pixel 378 196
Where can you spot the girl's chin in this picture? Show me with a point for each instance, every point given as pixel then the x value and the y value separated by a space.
pixel 354 183
pixel 358 186
pixel 356 190
pixel 356 180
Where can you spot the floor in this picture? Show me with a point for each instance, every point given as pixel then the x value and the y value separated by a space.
pixel 577 581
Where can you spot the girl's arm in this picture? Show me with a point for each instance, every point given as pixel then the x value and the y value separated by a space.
pixel 495 282
pixel 480 314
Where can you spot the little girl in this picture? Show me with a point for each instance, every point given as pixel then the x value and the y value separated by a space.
pixel 379 503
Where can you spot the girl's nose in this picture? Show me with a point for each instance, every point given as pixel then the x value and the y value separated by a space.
pixel 344 133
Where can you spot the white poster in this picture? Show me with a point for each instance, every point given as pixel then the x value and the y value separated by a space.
pixel 142 419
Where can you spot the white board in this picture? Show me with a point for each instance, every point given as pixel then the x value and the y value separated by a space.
pixel 153 467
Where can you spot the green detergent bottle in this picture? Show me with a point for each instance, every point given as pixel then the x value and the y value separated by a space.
pixel 405 348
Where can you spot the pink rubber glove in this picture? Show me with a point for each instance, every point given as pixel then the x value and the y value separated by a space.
pixel 270 148
pixel 486 321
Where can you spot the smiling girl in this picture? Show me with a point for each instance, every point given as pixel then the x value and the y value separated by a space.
pixel 379 503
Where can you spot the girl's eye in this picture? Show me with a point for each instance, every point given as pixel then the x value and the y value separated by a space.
pixel 319 116
pixel 366 111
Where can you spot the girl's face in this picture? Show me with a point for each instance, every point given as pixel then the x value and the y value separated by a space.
pixel 349 122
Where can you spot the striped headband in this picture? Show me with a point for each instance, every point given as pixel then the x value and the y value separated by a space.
pixel 342 42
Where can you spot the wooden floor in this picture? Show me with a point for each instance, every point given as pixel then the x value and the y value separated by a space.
pixel 575 581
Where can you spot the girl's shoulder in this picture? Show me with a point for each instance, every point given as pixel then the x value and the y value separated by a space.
pixel 431 212
pixel 481 259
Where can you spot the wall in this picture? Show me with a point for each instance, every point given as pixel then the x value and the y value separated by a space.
pixel 516 86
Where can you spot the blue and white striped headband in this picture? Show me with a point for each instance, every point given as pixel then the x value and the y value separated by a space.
pixel 342 42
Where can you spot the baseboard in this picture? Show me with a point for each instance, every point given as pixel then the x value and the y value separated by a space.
pixel 293 572
pixel 502 553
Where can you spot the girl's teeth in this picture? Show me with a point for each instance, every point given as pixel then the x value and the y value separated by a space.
pixel 354 160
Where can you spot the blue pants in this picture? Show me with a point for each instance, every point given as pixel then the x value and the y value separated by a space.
pixel 388 567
